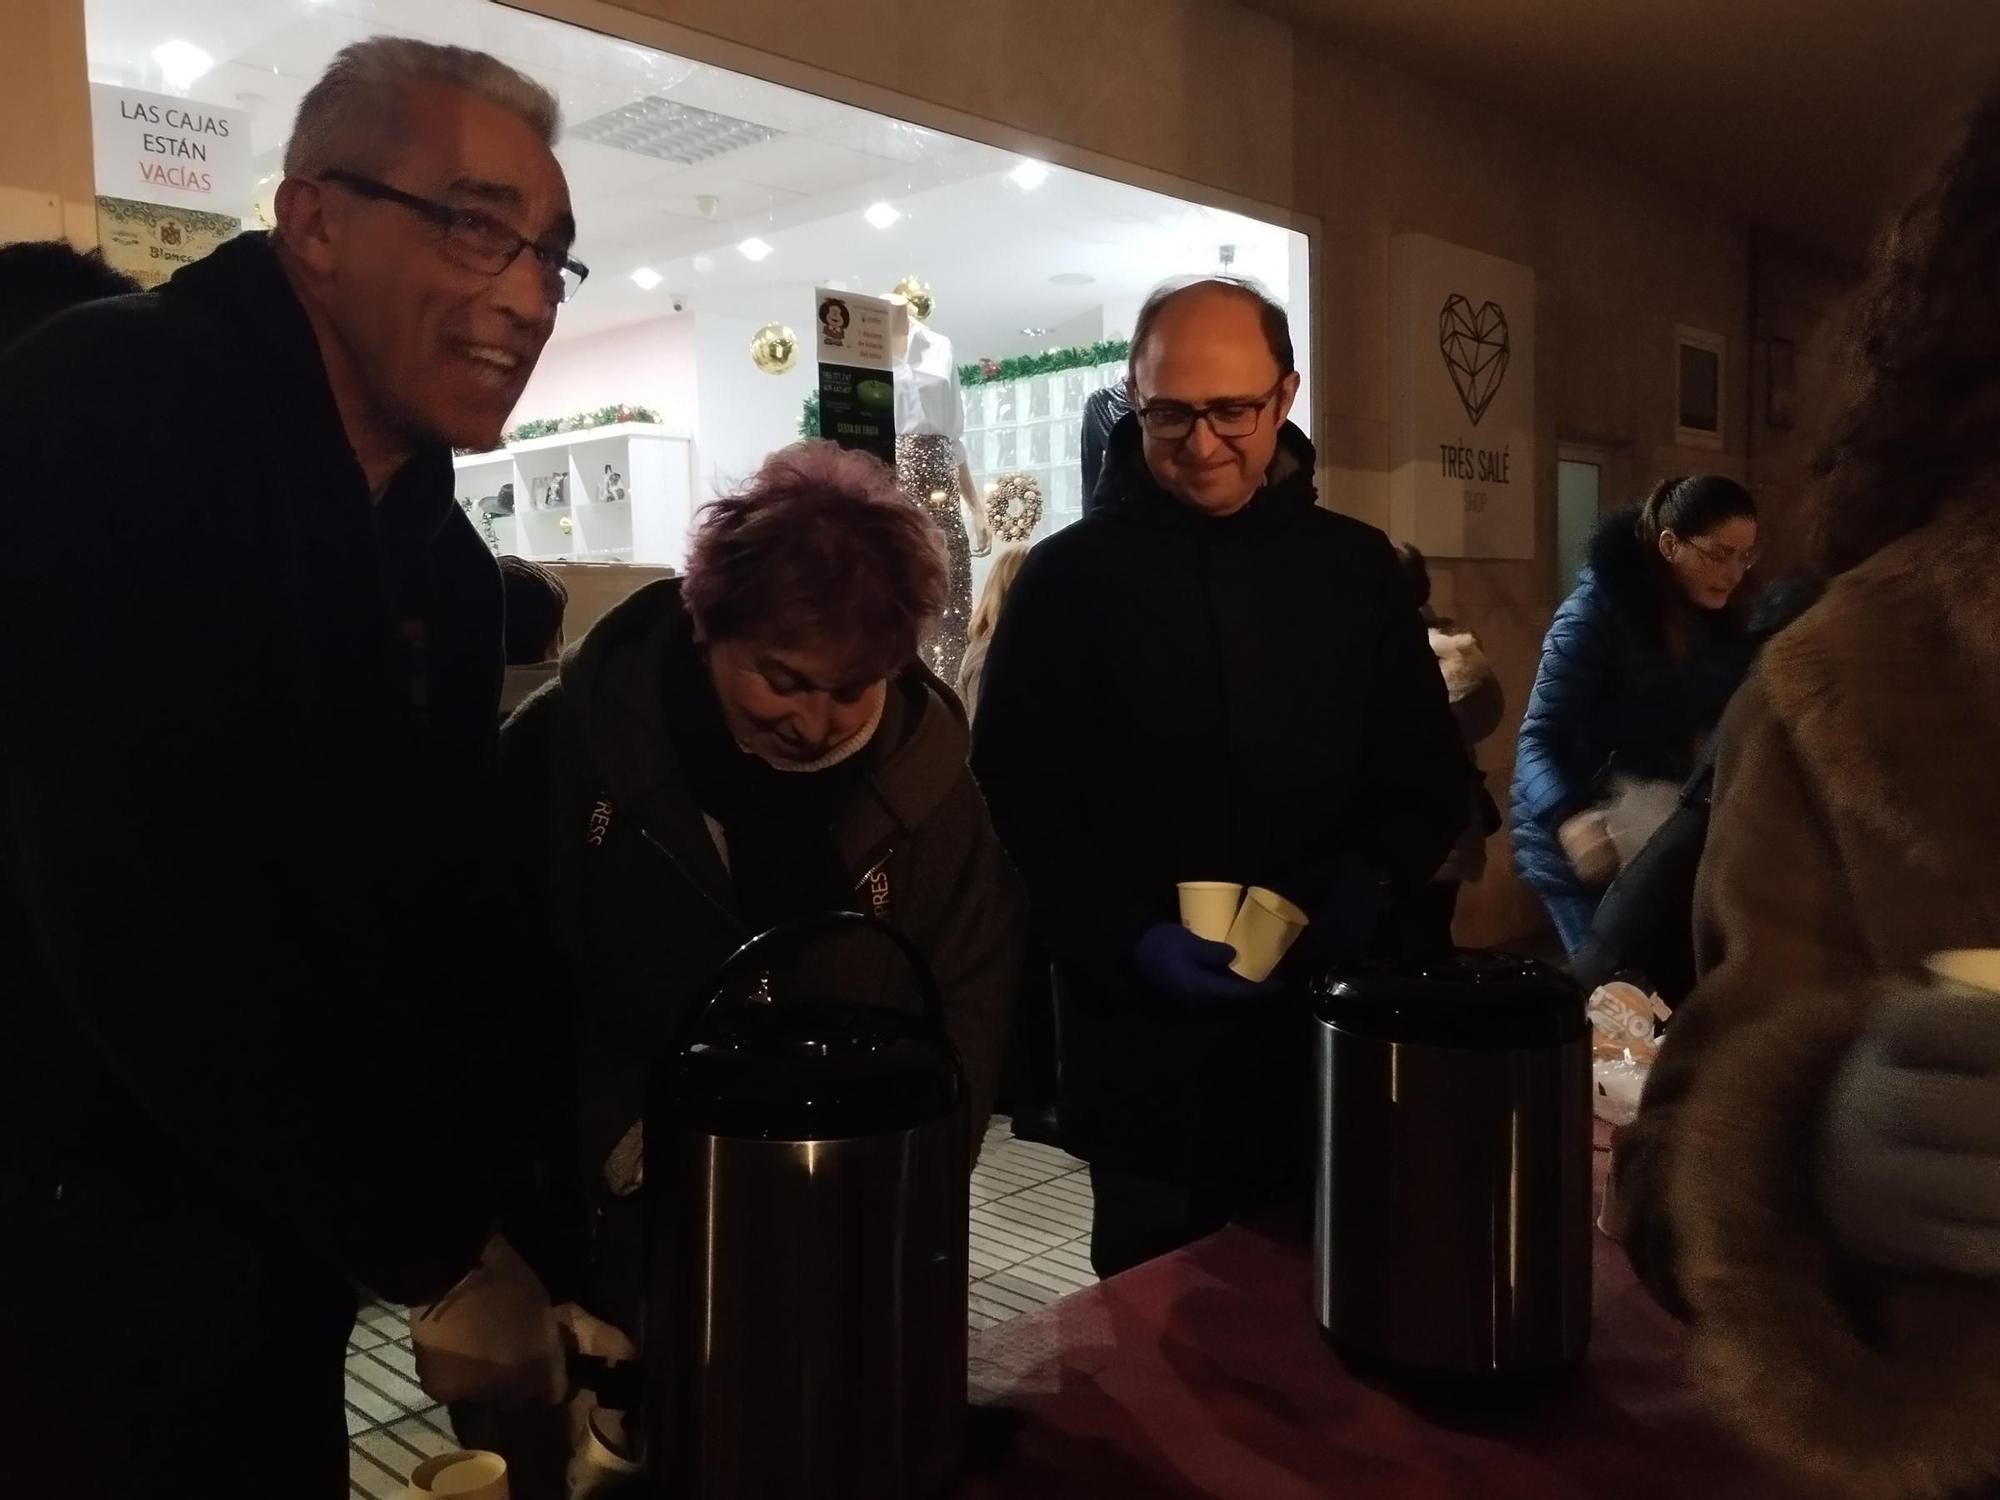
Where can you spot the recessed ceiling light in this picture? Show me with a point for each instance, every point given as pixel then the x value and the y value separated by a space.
pixel 181 63
pixel 1029 175
pixel 704 263
pixel 882 215
pixel 1072 278
pixel 646 278
pixel 1034 333
pixel 753 249
pixel 667 130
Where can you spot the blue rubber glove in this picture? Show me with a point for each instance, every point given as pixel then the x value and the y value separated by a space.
pixel 1191 969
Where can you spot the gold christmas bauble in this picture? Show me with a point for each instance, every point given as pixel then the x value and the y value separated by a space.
pixel 774 348
pixel 917 292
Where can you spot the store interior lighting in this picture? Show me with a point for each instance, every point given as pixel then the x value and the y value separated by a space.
pixel 753 249
pixel 1029 175
pixel 181 63
pixel 882 215
pixel 646 278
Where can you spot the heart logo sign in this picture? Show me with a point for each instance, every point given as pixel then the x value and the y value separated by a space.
pixel 1475 351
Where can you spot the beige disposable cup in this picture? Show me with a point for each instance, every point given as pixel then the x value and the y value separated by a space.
pixel 1208 907
pixel 1263 933
pixel 462 1476
pixel 1972 968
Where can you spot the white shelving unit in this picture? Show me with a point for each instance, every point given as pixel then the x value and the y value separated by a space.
pixel 650 525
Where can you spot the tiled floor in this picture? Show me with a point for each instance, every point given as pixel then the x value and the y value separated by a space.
pixel 1030 1245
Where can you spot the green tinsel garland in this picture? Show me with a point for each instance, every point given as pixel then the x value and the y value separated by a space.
pixel 583 421
pixel 990 371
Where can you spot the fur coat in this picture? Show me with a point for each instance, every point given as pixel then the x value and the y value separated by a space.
pixel 1855 829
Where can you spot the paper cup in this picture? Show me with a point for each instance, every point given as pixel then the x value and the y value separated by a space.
pixel 1971 968
pixel 1263 932
pixel 597 1465
pixel 461 1476
pixel 1208 907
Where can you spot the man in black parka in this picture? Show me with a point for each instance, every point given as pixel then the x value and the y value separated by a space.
pixel 246 765
pixel 1208 678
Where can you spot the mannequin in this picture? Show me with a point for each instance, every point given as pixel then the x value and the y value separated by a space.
pixel 931 465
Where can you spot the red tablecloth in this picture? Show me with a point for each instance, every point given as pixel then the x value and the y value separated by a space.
pixel 1204 1374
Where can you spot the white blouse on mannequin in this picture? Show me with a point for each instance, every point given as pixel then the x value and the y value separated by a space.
pixel 927 398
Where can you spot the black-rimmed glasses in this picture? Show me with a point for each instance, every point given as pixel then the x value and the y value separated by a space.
pixel 475 240
pixel 1173 421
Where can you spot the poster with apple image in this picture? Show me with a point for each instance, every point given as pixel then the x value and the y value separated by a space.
pixel 855 336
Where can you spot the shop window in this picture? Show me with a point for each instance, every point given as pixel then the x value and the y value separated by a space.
pixel 1700 360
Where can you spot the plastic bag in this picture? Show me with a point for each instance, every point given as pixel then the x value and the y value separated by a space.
pixel 1624 1024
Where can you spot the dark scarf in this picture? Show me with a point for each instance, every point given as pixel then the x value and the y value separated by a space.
pixel 783 860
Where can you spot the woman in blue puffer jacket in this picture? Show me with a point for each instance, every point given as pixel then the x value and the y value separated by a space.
pixel 1636 670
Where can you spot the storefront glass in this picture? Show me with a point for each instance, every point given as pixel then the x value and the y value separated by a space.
pixel 711 205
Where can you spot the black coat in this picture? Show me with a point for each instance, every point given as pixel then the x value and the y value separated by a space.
pixel 243 773
pixel 1610 696
pixel 1172 697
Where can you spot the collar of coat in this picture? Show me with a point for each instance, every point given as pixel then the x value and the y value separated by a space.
pixel 1128 485
pixel 1895 674
pixel 612 683
pixel 242 285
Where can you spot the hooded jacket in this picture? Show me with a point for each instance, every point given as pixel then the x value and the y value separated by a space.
pixel 1171 696
pixel 635 901
pixel 244 784
pixel 1610 697
pixel 1853 832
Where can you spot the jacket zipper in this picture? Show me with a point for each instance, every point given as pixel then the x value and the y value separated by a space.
pixel 735 922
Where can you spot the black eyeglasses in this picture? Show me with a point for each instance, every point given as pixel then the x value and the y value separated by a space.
pixel 1173 421
pixel 477 241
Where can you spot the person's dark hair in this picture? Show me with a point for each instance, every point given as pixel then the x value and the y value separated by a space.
pixel 1270 312
pixel 536 600
pixel 1691 505
pixel 1415 573
pixel 820 546
pixel 1926 339
pixel 1783 601
pixel 40 278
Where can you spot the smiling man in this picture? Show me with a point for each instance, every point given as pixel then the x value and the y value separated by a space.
pixel 244 779
pixel 1209 678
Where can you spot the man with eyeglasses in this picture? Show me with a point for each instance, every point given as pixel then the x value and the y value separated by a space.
pixel 244 780
pixel 1209 678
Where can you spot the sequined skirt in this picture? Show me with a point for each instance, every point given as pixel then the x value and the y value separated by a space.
pixel 927 469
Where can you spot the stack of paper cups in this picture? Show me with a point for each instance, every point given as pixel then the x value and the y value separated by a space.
pixel 462 1476
pixel 1208 908
pixel 1967 968
pixel 1263 932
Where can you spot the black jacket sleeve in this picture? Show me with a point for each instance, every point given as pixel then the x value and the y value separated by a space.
pixel 197 929
pixel 1028 749
pixel 1414 771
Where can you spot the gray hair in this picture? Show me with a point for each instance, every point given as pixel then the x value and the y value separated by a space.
pixel 351 116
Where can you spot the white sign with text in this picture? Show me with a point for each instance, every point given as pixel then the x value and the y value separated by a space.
pixel 152 148
pixel 1462 386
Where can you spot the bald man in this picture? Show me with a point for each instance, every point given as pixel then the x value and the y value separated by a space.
pixel 1208 678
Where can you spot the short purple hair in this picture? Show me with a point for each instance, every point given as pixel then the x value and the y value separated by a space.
pixel 820 548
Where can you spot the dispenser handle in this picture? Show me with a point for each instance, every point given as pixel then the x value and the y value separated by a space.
pixel 793 937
